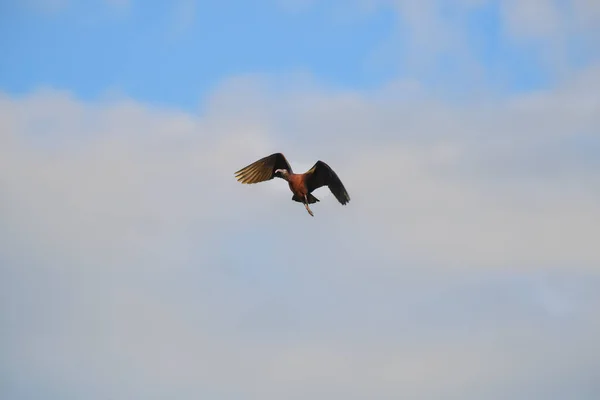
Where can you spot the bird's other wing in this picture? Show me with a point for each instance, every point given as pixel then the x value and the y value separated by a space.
pixel 263 169
pixel 321 174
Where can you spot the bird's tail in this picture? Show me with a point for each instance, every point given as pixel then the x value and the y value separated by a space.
pixel 311 199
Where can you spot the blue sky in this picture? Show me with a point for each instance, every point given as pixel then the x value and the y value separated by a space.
pixel 134 265
pixel 159 54
pixel 174 53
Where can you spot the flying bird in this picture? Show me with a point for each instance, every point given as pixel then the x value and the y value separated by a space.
pixel 301 185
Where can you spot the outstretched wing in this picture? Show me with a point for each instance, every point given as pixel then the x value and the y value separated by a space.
pixel 321 174
pixel 263 169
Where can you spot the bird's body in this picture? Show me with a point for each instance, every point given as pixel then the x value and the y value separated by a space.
pixel 301 185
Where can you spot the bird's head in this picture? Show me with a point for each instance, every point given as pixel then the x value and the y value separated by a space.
pixel 282 173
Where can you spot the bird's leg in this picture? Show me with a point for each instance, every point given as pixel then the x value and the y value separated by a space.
pixel 307 207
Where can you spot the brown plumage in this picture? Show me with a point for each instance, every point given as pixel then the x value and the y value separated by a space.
pixel 301 185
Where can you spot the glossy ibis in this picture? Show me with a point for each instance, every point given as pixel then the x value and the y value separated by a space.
pixel 301 185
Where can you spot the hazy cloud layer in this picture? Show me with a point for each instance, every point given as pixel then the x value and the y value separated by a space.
pixel 466 264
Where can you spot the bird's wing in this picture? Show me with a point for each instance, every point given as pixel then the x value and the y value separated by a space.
pixel 263 169
pixel 321 174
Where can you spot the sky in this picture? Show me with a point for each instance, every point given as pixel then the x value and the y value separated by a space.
pixel 134 266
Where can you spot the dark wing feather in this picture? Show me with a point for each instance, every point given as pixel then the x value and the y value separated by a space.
pixel 263 169
pixel 321 174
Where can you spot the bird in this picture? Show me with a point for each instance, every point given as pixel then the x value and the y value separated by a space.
pixel 301 185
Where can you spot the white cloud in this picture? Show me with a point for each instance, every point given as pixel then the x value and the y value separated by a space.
pixel 527 18
pixel 435 40
pixel 550 19
pixel 488 184
pixel 535 18
pixel 133 262
pixel 120 336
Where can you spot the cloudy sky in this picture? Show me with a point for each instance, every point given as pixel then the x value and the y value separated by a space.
pixel 134 266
